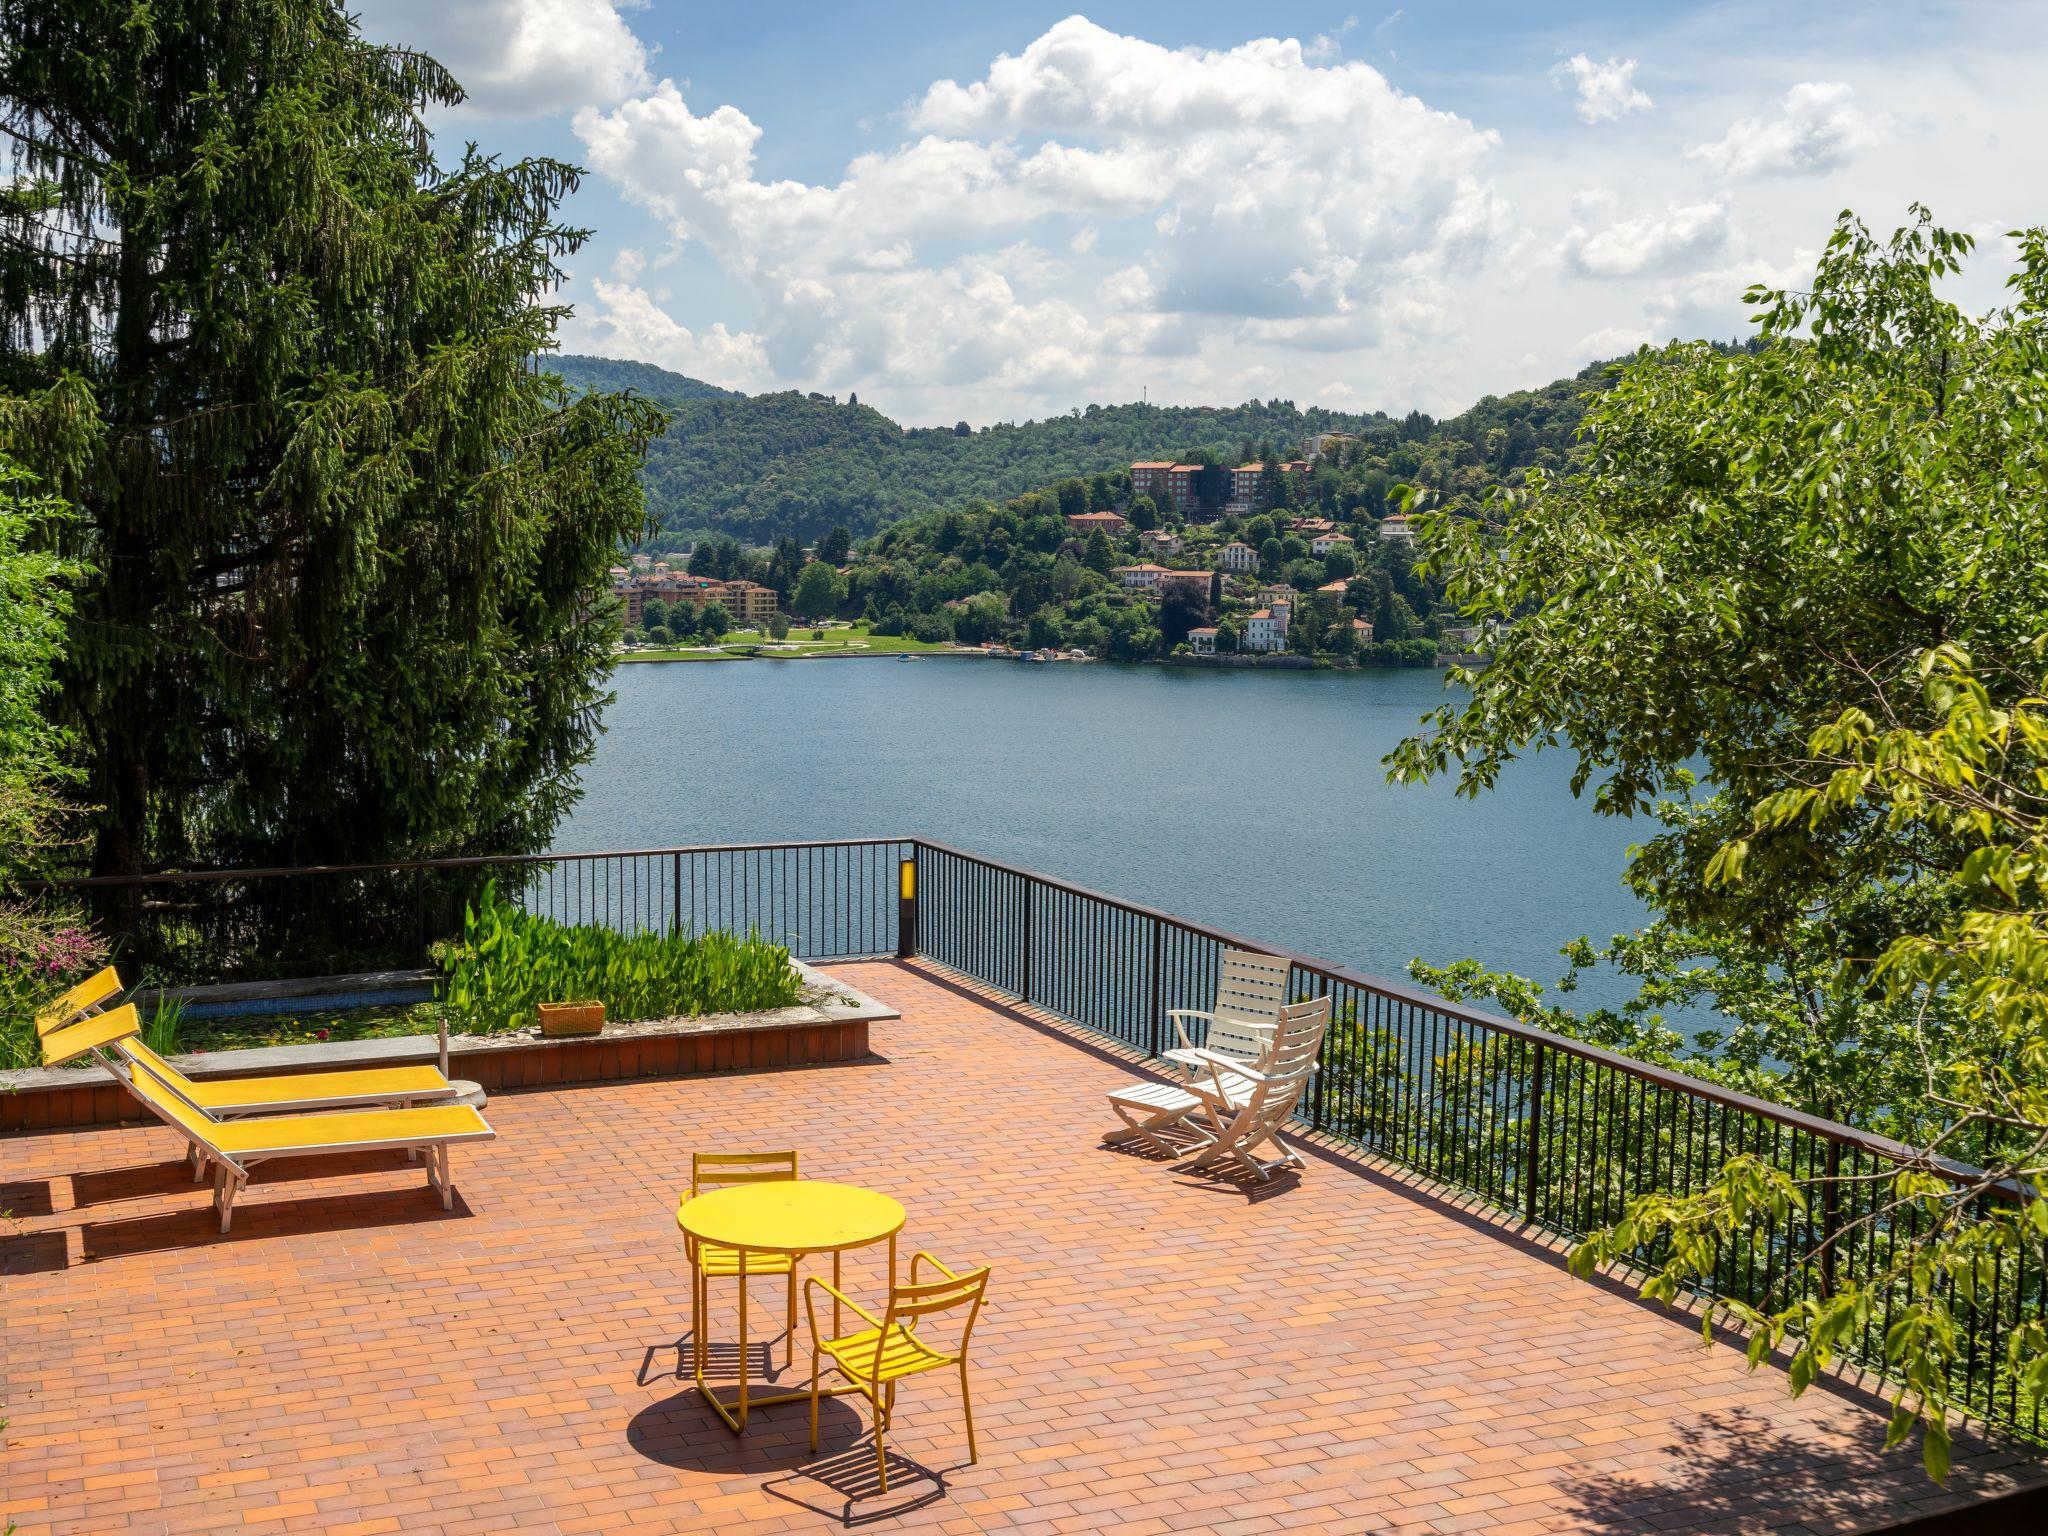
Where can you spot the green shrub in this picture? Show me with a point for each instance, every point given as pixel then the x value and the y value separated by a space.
pixel 42 952
pixel 510 961
pixel 160 1034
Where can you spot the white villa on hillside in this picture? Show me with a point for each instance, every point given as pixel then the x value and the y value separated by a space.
pixel 1238 558
pixel 1266 630
pixel 1163 541
pixel 1140 578
pixel 1202 641
pixel 1325 542
pixel 1395 529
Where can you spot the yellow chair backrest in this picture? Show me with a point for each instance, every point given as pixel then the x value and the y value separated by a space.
pixel 911 1302
pixel 88 994
pixel 89 1034
pixel 714 1170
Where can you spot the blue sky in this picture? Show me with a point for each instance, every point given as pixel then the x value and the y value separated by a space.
pixel 1002 212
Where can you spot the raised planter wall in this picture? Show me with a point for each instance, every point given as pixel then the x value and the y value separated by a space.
pixel 832 1029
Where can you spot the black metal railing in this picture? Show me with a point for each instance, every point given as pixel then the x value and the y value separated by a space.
pixel 825 901
pixel 1558 1133
pixel 1555 1132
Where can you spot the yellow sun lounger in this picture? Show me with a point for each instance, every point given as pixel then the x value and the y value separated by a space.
pixel 230 1098
pixel 233 1147
pixel 82 999
pixel 227 1099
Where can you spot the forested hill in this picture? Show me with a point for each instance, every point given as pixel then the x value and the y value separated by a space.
pixel 614 373
pixel 759 467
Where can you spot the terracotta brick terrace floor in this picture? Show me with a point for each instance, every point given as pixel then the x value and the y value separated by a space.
pixel 1348 1351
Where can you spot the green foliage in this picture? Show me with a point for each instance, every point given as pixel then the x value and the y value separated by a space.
pixel 509 962
pixel 35 603
pixel 282 362
pixel 161 1030
pixel 44 946
pixel 1819 569
pixel 818 591
pixel 43 950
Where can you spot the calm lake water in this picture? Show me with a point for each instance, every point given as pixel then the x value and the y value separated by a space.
pixel 1253 801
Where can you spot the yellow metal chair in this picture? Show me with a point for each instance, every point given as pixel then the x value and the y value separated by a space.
pixel 889 1349
pixel 708 1261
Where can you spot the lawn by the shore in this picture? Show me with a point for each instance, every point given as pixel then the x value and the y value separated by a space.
pixel 746 644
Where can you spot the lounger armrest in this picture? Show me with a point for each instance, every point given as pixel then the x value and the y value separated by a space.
pixel 1202 1056
pixel 1180 1015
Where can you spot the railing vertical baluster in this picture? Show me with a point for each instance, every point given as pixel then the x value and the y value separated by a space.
pixel 1157 1006
pixel 1533 1140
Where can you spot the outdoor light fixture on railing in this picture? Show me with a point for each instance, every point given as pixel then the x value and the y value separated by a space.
pixel 906 908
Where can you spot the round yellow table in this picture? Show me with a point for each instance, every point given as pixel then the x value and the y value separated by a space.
pixel 790 1216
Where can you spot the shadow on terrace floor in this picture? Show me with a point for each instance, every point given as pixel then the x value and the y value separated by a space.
pixel 1733 1470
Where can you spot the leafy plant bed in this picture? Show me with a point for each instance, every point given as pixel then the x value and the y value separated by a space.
pixel 509 961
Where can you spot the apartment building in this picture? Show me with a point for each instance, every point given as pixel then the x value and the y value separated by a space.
pixel 748 602
pixel 1148 477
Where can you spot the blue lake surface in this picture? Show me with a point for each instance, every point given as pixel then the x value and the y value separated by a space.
pixel 1253 801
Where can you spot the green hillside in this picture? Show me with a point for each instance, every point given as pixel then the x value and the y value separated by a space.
pixel 613 373
pixel 760 467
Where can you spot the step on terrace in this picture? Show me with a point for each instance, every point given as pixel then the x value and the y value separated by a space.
pixel 353 1360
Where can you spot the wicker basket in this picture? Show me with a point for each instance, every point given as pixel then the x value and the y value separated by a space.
pixel 571 1018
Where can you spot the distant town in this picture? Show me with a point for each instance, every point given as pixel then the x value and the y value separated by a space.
pixel 1196 562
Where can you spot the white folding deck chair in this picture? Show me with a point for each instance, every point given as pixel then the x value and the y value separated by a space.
pixel 1251 989
pixel 1249 1105
pixel 1218 1085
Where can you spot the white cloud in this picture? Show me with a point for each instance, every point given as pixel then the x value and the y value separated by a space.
pixel 1607 92
pixel 1817 128
pixel 1328 47
pixel 519 58
pixel 1262 194
pixel 629 323
pixel 1653 242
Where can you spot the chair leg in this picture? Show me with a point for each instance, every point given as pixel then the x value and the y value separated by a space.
pixel 701 1304
pixel 814 1400
pixel 198 1165
pixel 881 1455
pixel 789 1324
pixel 967 1408
pixel 229 1185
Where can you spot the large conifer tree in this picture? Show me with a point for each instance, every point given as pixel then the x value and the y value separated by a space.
pixel 347 530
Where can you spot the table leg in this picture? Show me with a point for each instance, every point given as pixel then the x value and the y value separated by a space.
pixel 743 1340
pixel 837 1285
pixel 892 1263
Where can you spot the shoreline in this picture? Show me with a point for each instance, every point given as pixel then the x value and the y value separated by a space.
pixel 1238 663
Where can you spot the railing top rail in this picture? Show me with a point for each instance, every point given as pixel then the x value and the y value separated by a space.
pixel 471 861
pixel 1830 1130
pixel 1393 991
